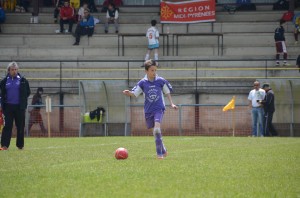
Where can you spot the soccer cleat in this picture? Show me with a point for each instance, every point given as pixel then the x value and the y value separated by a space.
pixel 165 154
pixel 277 64
pixel 160 157
pixel 286 64
pixel 20 148
pixel 76 43
pixel 4 148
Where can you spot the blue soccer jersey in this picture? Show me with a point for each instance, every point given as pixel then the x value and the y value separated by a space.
pixel 153 92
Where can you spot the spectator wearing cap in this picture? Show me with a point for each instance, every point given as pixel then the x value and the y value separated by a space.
pixel 66 17
pixel 85 27
pixel 15 91
pixel 35 114
pixel 112 16
pixel 269 109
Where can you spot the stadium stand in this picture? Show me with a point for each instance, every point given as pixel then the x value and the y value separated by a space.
pixel 50 61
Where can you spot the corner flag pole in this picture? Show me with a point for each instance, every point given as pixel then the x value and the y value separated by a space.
pixel 48 110
pixel 233 122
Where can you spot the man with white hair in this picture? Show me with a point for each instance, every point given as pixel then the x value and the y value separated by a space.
pixel 15 91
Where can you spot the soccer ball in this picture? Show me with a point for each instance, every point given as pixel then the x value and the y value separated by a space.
pixel 121 154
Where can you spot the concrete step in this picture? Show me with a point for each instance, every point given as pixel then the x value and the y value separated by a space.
pixel 142 18
pixel 224 27
pixel 111 40
pixel 54 52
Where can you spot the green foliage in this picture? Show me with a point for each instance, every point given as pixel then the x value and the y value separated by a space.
pixel 195 167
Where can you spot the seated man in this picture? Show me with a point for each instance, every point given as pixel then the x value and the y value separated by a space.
pixel 85 26
pixel 112 16
pixel 2 17
pixel 66 17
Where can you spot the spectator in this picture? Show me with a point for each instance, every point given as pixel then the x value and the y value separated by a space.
pixel 2 17
pixel 85 26
pixel 66 17
pixel 296 22
pixel 153 43
pixel 112 16
pixel 92 6
pixel 81 11
pixel 280 44
pixel 58 5
pixel 14 94
pixel 255 97
pixel 269 109
pixel 117 3
pixel 153 87
pixel 35 114
pixel 298 62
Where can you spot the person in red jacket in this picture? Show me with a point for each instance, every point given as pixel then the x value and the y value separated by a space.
pixel 66 17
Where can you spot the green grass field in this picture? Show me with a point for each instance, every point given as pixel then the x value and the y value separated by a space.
pixel 195 167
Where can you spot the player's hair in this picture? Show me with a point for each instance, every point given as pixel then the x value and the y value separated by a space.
pixel 153 22
pixel 149 63
pixel 12 64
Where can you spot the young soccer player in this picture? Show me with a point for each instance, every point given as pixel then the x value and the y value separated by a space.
pixel 153 43
pixel 280 44
pixel 152 86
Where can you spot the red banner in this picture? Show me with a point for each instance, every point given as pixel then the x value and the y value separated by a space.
pixel 187 11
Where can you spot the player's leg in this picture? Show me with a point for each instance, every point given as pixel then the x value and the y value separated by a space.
pixel 284 50
pixel 161 149
pixel 156 54
pixel 147 56
pixel 278 51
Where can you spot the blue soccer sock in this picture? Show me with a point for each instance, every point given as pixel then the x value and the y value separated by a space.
pixel 160 147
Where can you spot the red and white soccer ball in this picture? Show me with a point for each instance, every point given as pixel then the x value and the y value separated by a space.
pixel 121 154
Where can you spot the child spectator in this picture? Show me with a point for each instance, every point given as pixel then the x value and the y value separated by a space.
pixel 296 22
pixel 153 87
pixel 153 43
pixel 81 11
pixel 112 16
pixel 2 17
pixel 85 26
pixel 66 17
pixel 35 114
pixel 280 44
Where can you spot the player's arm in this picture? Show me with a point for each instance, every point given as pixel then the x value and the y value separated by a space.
pixel 167 92
pixel 136 91
pixel 171 102
pixel 128 93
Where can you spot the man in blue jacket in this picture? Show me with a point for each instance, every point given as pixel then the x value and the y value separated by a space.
pixel 15 91
pixel 85 26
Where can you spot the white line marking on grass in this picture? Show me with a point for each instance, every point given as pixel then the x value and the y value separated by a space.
pixel 90 145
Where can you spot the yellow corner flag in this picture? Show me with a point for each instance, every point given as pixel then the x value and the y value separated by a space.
pixel 230 105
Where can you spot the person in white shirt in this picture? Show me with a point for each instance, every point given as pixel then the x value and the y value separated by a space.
pixel 153 43
pixel 81 11
pixel 112 16
pixel 255 97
